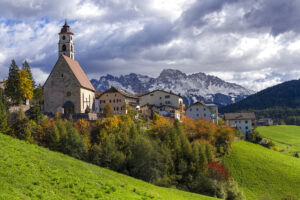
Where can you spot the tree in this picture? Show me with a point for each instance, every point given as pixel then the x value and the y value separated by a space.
pixel 26 88
pixel 12 85
pixel 38 95
pixel 26 67
pixel 3 118
pixel 108 110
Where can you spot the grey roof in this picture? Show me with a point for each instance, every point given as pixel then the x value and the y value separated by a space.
pixel 121 91
pixel 161 91
pixel 239 116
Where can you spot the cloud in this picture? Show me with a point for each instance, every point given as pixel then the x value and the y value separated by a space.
pixel 254 43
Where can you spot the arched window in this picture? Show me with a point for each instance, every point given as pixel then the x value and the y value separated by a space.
pixel 63 37
pixel 71 47
pixel 64 48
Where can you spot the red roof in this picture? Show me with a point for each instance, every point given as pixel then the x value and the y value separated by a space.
pixel 79 73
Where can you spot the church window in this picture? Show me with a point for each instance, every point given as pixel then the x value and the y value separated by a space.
pixel 64 48
pixel 69 94
pixel 63 37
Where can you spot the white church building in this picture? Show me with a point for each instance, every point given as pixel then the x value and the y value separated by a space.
pixel 67 89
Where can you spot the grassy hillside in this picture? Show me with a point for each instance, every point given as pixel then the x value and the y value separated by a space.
pixel 32 172
pixel 287 138
pixel 262 173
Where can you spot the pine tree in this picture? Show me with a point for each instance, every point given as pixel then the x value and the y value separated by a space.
pixel 27 68
pixel 12 86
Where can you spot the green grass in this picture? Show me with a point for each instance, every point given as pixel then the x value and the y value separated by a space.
pixel 31 172
pixel 287 138
pixel 263 173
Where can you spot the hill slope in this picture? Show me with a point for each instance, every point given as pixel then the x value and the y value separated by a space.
pixel 263 173
pixel 190 86
pixel 287 138
pixel 32 172
pixel 286 94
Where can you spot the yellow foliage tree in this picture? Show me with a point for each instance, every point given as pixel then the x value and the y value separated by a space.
pixel 25 84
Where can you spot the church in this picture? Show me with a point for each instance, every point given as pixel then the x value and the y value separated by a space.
pixel 68 89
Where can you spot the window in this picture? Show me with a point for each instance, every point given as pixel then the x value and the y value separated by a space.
pixel 159 97
pixel 110 101
pixel 204 115
pixel 71 47
pixel 246 127
pixel 63 37
pixel 117 108
pixel 114 101
pixel 167 96
pixel 197 115
pixel 246 122
pixel 151 95
pixel 197 109
pixel 64 48
pixel 69 94
pixel 115 95
pixel 204 109
pixel 167 102
pixel 190 109
pixel 62 75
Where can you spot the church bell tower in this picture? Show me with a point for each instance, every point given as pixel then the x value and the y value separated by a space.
pixel 65 44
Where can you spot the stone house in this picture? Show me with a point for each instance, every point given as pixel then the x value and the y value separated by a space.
pixel 67 89
pixel 164 103
pixel 117 97
pixel 200 110
pixel 243 121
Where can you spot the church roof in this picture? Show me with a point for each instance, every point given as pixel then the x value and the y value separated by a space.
pixel 79 73
pixel 66 29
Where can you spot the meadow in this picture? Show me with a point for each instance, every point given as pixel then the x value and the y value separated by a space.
pixel 28 171
pixel 287 138
pixel 263 173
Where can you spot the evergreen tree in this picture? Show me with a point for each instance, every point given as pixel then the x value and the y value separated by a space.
pixel 12 86
pixel 108 110
pixel 27 68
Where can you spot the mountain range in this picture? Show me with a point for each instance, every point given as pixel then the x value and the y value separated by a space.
pixel 191 87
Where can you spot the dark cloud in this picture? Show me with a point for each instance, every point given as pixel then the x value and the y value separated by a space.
pixel 280 16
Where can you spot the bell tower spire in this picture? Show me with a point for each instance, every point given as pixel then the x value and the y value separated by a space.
pixel 65 44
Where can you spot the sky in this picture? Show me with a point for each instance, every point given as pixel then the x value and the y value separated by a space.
pixel 254 43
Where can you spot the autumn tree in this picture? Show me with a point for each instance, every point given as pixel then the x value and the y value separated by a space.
pixel 26 67
pixel 108 110
pixel 26 88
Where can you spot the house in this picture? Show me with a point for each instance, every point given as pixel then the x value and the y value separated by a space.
pixel 243 121
pixel 265 122
pixel 200 110
pixel 117 97
pixel 67 89
pixel 164 103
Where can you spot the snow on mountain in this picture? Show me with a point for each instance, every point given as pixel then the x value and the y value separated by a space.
pixel 192 87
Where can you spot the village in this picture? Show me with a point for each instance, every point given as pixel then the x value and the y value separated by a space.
pixel 69 91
